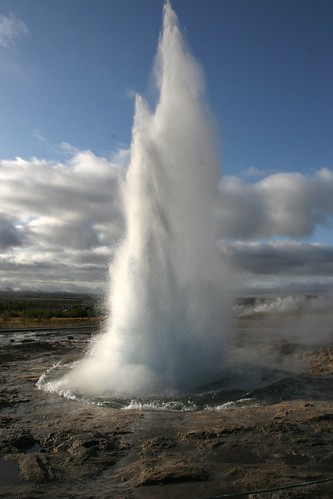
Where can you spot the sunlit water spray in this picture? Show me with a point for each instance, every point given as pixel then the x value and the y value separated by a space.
pixel 170 291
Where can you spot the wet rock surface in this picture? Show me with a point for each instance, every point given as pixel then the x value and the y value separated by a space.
pixel 54 447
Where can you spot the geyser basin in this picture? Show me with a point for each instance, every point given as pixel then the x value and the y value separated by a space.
pixel 244 386
pixel 170 290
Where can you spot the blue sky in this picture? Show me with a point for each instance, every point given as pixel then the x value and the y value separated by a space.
pixel 268 67
pixel 69 70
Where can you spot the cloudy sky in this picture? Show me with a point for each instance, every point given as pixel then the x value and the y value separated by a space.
pixel 69 70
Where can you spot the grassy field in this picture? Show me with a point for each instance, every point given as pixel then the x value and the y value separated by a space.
pixel 33 309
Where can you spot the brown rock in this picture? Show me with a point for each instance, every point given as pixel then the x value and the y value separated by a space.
pixel 37 468
pixel 167 470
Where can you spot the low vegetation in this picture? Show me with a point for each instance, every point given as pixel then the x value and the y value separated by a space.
pixel 25 309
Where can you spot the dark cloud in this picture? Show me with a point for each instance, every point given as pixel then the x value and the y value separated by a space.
pixel 285 257
pixel 9 234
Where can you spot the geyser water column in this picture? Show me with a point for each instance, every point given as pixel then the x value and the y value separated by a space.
pixel 170 295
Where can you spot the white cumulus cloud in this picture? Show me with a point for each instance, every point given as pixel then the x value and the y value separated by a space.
pixel 60 222
pixel 283 204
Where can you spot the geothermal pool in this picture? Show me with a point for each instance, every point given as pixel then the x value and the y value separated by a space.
pixel 268 362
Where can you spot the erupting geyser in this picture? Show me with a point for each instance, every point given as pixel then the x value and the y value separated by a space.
pixel 170 295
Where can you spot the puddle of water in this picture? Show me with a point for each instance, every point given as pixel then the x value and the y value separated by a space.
pixel 35 448
pixel 9 473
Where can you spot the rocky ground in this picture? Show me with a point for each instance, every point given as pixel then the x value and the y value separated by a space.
pixel 58 448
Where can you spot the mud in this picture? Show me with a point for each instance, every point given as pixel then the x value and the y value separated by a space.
pixel 54 447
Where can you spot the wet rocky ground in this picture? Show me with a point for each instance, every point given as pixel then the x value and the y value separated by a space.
pixel 59 448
